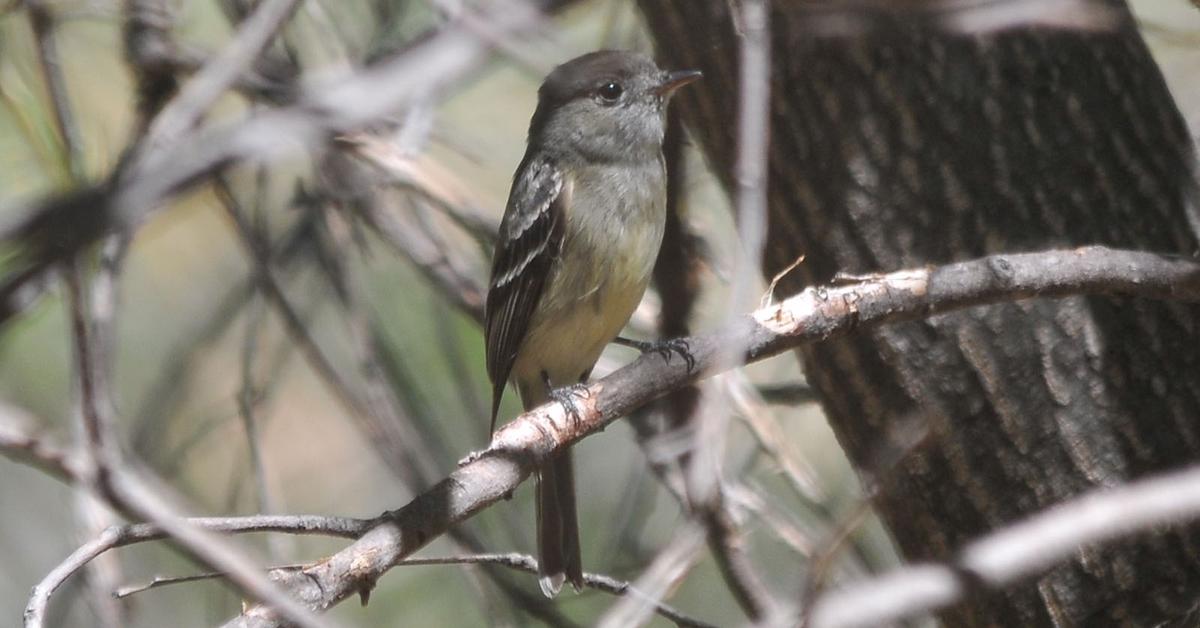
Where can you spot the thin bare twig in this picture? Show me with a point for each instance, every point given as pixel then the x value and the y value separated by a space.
pixel 754 111
pixel 110 475
pixel 91 345
pixel 202 90
pixel 750 196
pixel 145 497
pixel 892 448
pixel 248 401
pixel 725 541
pixel 248 397
pixel 704 471
pixel 149 421
pixel 519 562
pixel 378 416
pixel 426 178
pixel 165 581
pixel 378 398
pixel 21 441
pixel 665 572
pixel 443 266
pixel 336 106
pixel 815 314
pixel 771 440
pixel 756 499
pixel 44 25
pixel 90 378
pixel 517 50
pixel 821 562
pixel 429 185
pixel 124 535
pixel 95 510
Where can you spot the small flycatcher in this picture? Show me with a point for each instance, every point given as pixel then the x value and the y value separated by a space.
pixel 578 241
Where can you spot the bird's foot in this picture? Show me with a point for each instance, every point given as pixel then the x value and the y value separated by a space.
pixel 568 396
pixel 666 348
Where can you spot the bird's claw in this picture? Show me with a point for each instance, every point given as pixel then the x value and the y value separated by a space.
pixel 567 395
pixel 676 345
pixel 665 348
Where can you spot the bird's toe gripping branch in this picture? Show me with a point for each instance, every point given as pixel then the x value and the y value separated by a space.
pixel 567 396
pixel 666 348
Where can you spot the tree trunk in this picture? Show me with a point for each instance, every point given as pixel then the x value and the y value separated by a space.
pixel 896 142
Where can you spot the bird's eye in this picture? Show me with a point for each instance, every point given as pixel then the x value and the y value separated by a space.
pixel 610 92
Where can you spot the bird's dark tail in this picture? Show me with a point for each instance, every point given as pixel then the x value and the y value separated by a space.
pixel 497 394
pixel 557 526
pixel 557 523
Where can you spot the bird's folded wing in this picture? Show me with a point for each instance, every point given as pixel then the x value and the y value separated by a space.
pixel 531 235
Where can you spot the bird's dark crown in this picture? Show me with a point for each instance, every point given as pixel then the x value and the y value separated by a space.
pixel 582 75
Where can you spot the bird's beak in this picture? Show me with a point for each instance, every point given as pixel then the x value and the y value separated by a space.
pixel 675 80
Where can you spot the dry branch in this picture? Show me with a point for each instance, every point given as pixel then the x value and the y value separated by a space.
pixel 815 314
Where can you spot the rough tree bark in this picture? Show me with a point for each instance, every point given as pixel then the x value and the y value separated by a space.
pixel 897 142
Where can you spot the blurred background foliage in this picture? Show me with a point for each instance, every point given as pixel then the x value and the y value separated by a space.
pixel 188 335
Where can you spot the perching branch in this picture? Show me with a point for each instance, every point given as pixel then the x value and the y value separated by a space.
pixel 817 313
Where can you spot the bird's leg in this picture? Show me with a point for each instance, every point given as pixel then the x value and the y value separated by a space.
pixel 566 395
pixel 664 347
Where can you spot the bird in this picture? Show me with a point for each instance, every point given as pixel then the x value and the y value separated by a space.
pixel 577 243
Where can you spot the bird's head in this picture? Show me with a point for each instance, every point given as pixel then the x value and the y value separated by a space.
pixel 608 105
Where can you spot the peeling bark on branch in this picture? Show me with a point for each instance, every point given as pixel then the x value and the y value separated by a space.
pixel 815 314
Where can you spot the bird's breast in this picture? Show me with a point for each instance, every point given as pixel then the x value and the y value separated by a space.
pixel 614 227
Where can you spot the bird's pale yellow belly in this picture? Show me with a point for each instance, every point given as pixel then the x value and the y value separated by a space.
pixel 566 343
pixel 610 255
